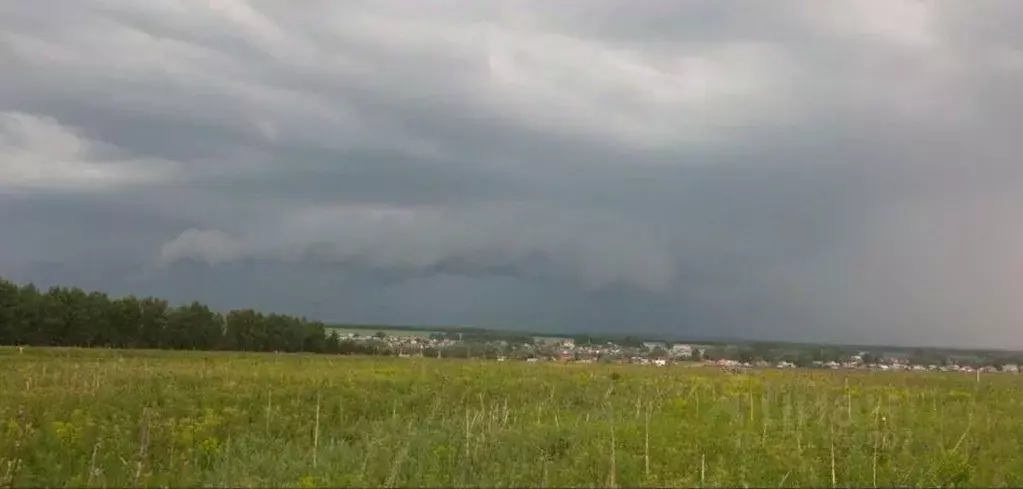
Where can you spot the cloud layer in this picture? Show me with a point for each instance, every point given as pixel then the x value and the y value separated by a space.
pixel 839 171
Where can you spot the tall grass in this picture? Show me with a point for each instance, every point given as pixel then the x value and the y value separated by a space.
pixel 100 418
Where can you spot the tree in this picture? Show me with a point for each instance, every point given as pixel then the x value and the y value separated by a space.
pixel 803 359
pixel 631 341
pixel 584 339
pixel 922 356
pixel 765 352
pixel 314 338
pixel 49 319
pixel 827 354
pixel 193 326
pixel 70 316
pixel 11 324
pixel 244 330
pixel 332 343
pixel 153 314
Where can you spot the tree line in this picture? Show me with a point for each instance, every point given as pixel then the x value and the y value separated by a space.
pixel 70 316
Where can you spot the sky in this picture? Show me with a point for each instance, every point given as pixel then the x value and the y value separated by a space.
pixel 841 171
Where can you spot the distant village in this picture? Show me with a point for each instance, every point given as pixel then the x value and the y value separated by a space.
pixel 661 354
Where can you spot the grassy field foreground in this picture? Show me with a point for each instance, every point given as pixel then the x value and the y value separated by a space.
pixel 120 418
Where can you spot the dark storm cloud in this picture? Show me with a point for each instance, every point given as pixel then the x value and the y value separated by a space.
pixel 828 171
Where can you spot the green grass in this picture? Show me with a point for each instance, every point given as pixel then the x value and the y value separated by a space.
pixel 103 418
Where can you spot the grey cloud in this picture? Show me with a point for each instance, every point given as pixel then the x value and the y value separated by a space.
pixel 830 171
pixel 424 238
pixel 57 228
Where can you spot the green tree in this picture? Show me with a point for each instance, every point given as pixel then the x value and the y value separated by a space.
pixel 153 315
pixel 48 319
pixel 124 317
pixel 193 326
pixel 11 324
pixel 244 330
pixel 70 316
pixel 314 338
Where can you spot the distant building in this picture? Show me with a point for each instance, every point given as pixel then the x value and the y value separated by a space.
pixel 554 341
pixel 682 350
pixel 650 345
pixel 896 357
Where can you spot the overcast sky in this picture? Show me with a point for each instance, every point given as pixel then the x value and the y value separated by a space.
pixel 822 171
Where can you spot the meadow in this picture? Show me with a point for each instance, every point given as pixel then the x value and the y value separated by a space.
pixel 119 418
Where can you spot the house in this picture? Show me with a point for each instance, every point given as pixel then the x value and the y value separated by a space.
pixel 896 358
pixel 554 341
pixel 682 350
pixel 650 345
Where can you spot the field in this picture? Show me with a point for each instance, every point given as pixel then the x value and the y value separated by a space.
pixel 105 418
